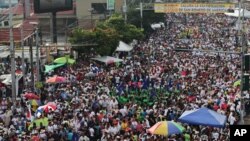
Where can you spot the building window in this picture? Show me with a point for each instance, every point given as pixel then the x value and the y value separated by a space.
pixel 99 8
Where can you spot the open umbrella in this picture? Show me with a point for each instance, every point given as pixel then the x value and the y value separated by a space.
pixel 51 104
pixel 34 102
pixel 203 116
pixel 166 128
pixel 46 108
pixel 64 60
pixel 31 96
pixel 237 83
pixel 56 79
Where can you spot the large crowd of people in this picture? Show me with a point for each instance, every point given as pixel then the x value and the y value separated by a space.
pixel 153 83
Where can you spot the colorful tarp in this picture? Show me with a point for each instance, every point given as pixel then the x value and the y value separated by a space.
pixel 64 60
pixel 44 121
pixel 52 67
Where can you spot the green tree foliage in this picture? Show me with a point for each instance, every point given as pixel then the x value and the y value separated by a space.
pixel 107 35
pixel 127 32
pixel 80 35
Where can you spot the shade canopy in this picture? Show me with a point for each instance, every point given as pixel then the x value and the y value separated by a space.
pixel 236 12
pixel 166 128
pixel 123 47
pixel 107 59
pixel 64 60
pixel 52 67
pixel 203 116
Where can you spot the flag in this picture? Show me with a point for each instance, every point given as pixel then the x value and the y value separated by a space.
pixel 95 69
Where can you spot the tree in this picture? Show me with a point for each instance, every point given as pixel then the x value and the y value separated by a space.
pixel 127 32
pixel 107 39
pixel 80 35
pixel 106 35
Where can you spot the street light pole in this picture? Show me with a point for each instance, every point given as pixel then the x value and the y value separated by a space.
pixel 12 54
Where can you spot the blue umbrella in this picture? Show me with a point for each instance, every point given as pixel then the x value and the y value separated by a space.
pixel 203 116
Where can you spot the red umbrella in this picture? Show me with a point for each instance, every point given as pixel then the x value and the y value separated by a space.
pixel 52 104
pixel 31 96
pixel 50 107
pixel 56 79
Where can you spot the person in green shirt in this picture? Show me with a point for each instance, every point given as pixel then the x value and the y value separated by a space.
pixel 187 136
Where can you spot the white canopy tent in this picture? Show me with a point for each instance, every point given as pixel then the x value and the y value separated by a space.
pixel 6 78
pixel 123 47
pixel 107 59
pixel 236 13
pixel 157 25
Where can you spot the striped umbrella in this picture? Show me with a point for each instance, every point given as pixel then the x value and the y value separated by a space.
pixel 166 128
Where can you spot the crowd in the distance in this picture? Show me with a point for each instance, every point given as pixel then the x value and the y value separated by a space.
pixel 152 84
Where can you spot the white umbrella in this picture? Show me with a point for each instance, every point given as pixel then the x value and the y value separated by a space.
pixel 90 74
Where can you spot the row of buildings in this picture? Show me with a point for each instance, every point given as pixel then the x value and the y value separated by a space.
pixel 84 14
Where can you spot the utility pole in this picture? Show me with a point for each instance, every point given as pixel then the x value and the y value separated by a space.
pixel 12 54
pixel 240 34
pixel 31 63
pixel 141 11
pixel 37 57
pixel 125 10
pixel 22 46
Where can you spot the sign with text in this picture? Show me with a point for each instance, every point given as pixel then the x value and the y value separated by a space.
pixel 110 4
pixel 239 132
pixel 192 7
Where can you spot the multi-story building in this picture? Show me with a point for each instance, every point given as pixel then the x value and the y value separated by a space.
pixel 64 19
pixel 88 11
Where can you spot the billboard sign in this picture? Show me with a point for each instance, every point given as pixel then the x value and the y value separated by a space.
pixel 192 7
pixel 110 4
pixel 45 6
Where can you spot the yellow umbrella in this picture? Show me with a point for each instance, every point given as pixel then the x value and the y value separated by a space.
pixel 34 102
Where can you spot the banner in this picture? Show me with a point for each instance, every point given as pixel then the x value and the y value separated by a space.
pixel 110 4
pixel 192 7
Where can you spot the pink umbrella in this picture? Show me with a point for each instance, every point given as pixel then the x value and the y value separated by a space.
pixel 56 79
pixel 52 104
pixel 111 61
pixel 31 96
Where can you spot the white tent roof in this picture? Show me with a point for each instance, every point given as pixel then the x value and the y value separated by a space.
pixel 123 47
pixel 246 13
pixel 6 78
pixel 107 59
